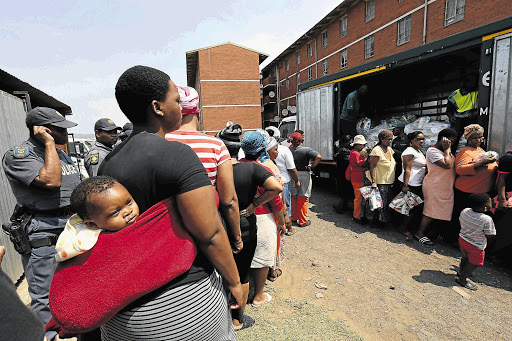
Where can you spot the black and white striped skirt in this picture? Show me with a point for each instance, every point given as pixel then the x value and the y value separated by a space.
pixel 193 311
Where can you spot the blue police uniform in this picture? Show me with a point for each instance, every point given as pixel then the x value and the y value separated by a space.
pixel 95 157
pixel 50 213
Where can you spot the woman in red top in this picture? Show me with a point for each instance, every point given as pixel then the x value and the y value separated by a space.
pixel 357 168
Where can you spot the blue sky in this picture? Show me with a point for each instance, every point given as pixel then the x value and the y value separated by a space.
pixel 76 50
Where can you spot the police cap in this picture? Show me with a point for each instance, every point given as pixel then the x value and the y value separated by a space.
pixel 105 124
pixel 41 116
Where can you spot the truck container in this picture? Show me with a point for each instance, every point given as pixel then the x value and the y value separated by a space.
pixel 417 81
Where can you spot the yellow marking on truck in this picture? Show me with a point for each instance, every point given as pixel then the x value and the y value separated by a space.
pixel 328 163
pixel 379 68
pixel 490 36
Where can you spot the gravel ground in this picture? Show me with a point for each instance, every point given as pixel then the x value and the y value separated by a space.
pixel 342 281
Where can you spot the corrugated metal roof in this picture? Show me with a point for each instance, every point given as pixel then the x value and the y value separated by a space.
pixel 10 83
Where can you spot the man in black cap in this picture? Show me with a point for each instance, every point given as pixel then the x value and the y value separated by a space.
pixel 106 137
pixel 42 178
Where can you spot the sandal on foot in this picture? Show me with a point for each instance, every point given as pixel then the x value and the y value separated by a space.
pixel 408 235
pixel 274 274
pixel 248 322
pixel 290 232
pixel 424 241
pixel 269 298
pixel 467 284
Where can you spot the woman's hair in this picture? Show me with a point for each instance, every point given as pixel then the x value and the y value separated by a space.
pixel 447 132
pixel 92 186
pixel 382 135
pixel 414 135
pixel 233 149
pixel 137 88
pixel 344 139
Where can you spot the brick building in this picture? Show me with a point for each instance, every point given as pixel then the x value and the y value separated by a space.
pixel 227 79
pixel 359 32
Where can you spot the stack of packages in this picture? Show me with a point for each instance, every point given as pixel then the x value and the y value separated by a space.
pixel 373 196
pixel 424 124
pixel 404 202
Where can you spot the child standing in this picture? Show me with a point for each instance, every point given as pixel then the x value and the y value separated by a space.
pixel 476 228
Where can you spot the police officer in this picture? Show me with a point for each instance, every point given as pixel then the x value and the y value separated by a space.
pixel 106 137
pixel 42 178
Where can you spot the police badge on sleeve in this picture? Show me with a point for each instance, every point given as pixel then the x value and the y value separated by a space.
pixel 95 158
pixel 20 152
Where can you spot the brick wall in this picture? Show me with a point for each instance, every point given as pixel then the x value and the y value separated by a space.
pixel 477 13
pixel 224 63
pixel 216 118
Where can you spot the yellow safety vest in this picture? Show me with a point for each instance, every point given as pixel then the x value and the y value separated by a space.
pixel 466 104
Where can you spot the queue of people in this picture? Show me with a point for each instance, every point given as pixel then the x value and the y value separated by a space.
pixel 448 185
pixel 226 217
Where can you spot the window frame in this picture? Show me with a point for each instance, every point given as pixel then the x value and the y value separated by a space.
pixel 366 49
pixel 406 36
pixel 297 57
pixel 343 26
pixel 324 43
pixel 309 48
pixel 287 83
pixel 310 73
pixel 298 80
pixel 343 56
pixel 325 67
pixel 369 13
pixel 287 65
pixel 455 17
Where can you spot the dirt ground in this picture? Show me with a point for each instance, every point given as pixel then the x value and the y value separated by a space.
pixel 381 286
pixel 343 281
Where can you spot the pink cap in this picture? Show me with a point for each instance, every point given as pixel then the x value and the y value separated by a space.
pixel 189 100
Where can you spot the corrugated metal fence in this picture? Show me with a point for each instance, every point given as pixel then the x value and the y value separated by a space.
pixel 12 131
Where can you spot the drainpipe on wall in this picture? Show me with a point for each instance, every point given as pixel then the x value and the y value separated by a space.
pixel 316 63
pixel 278 91
pixel 425 23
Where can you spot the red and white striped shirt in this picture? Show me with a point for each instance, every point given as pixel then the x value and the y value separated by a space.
pixel 211 151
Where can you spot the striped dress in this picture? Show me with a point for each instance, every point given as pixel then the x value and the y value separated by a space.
pixel 189 312
pixel 211 151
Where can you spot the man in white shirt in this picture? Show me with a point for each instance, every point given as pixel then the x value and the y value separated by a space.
pixel 286 165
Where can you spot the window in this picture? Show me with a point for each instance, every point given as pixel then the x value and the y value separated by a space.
pixel 343 58
pixel 280 64
pixel 370 10
pixel 286 65
pixel 404 31
pixel 324 39
pixel 310 50
pixel 287 84
pixel 297 58
pixel 343 26
pixel 310 73
pixel 454 11
pixel 298 80
pixel 368 47
pixel 324 67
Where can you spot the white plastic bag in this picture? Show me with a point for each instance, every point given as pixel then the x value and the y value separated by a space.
pixel 404 202
pixel 375 199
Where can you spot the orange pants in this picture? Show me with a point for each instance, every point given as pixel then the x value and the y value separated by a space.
pixel 358 199
pixel 300 209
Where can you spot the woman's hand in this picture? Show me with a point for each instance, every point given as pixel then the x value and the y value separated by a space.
pixel 237 246
pixel 486 160
pixel 281 228
pixel 248 211
pixel 297 183
pixel 405 188
pixel 446 144
pixel 374 184
pixel 238 293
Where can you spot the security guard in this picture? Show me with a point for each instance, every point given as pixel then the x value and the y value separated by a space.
pixel 106 137
pixel 42 178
